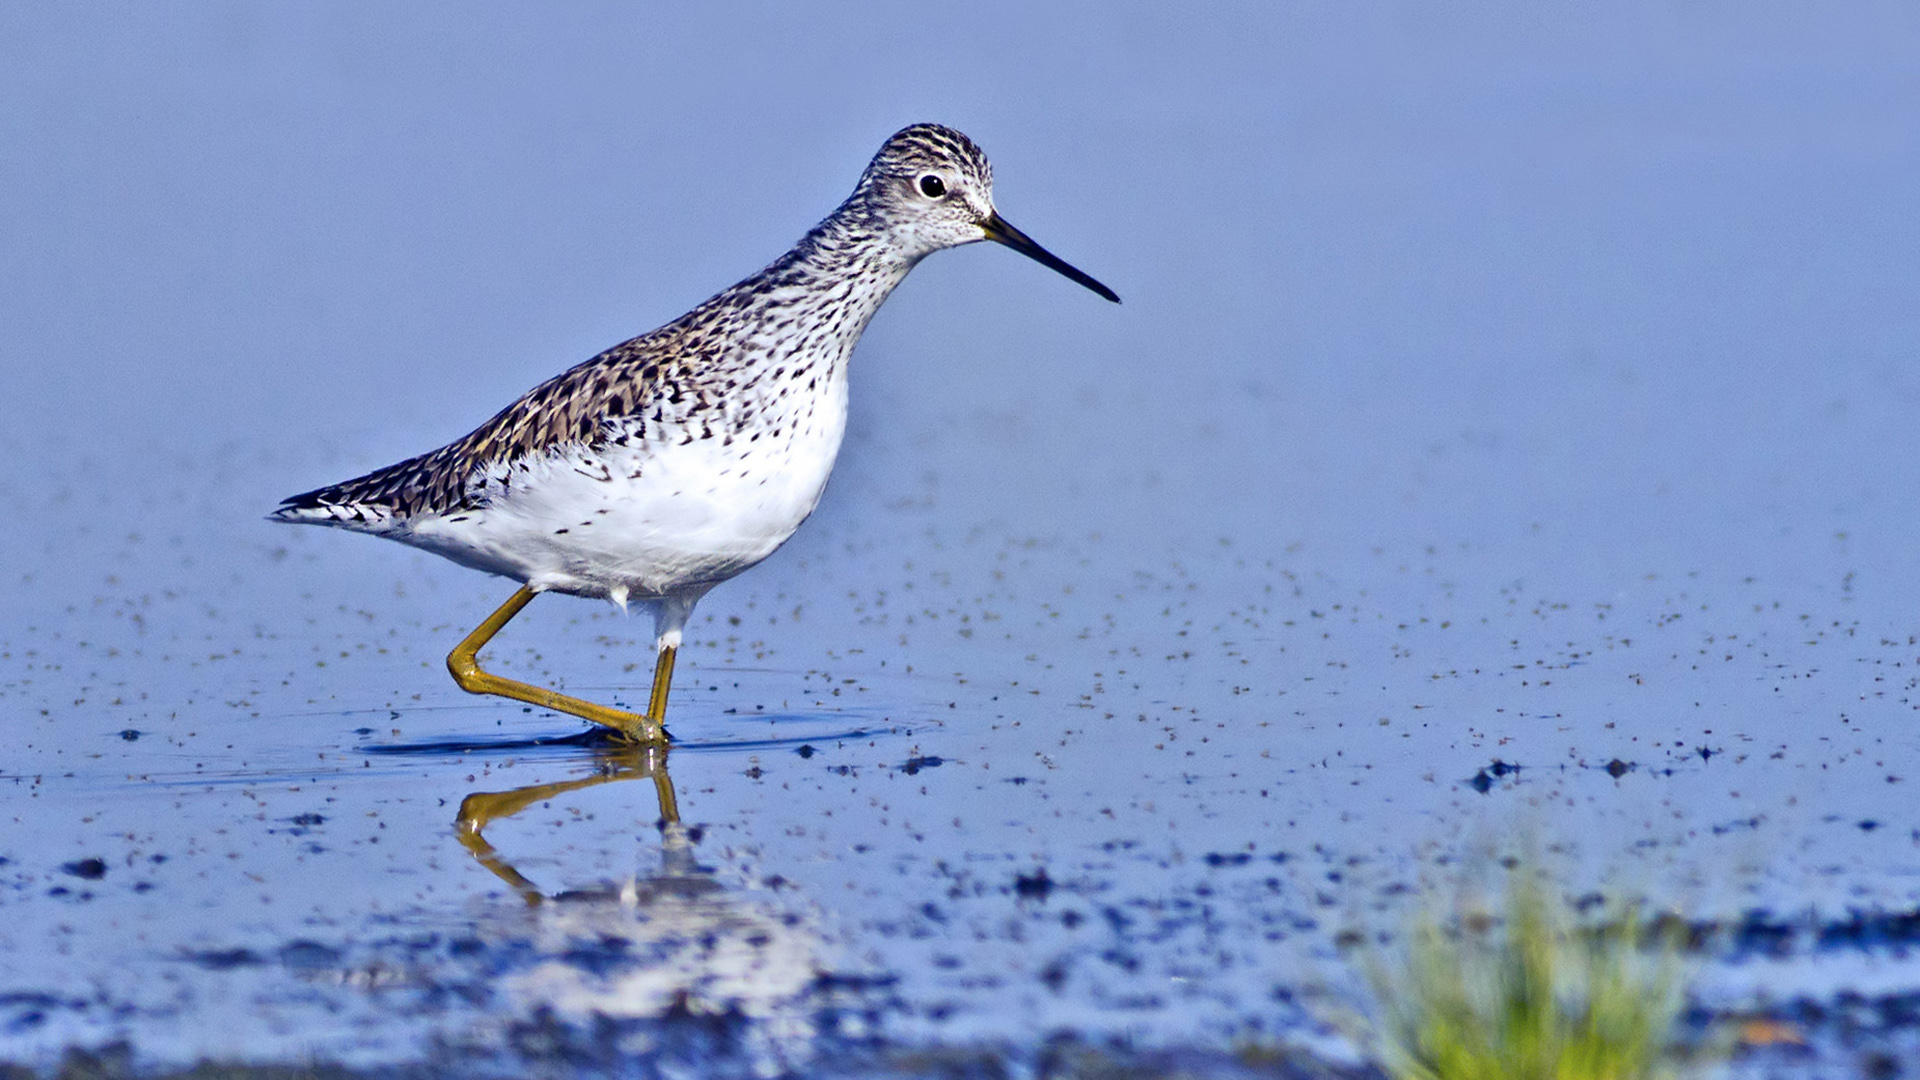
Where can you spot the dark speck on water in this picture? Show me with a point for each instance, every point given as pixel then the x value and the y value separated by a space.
pixel 1034 886
pixel 1483 780
pixel 225 959
pixel 86 869
pixel 309 955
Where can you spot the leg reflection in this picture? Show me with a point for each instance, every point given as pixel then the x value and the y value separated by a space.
pixel 672 944
pixel 615 764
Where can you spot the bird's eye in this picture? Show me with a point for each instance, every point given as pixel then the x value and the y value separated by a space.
pixel 932 186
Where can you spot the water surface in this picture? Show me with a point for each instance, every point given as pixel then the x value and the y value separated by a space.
pixel 1502 388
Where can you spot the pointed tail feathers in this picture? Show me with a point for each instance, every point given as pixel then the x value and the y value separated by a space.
pixel 332 506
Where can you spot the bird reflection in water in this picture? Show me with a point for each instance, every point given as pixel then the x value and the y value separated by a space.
pixel 679 871
pixel 675 943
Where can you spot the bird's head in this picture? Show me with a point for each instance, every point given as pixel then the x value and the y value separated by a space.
pixel 931 188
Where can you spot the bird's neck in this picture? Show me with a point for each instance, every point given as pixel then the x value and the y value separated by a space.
pixel 811 305
pixel 848 266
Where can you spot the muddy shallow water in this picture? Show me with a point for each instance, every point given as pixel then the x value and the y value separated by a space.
pixel 1509 425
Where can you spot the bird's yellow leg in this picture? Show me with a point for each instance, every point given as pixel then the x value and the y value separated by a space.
pixel 464 663
pixel 662 682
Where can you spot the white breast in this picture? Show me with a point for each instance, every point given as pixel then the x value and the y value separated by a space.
pixel 657 517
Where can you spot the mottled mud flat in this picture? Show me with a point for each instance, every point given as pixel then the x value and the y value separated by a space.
pixel 1144 809
pixel 1518 434
pixel 1062 1059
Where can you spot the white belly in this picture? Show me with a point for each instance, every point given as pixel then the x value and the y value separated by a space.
pixel 650 520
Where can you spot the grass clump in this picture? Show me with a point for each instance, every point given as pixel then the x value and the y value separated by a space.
pixel 1525 993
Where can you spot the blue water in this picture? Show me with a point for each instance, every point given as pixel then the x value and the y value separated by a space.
pixel 1492 384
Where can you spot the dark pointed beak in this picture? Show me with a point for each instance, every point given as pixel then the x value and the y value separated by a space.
pixel 1000 232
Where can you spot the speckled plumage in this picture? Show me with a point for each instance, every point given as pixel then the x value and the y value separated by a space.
pixel 677 459
pixel 712 365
